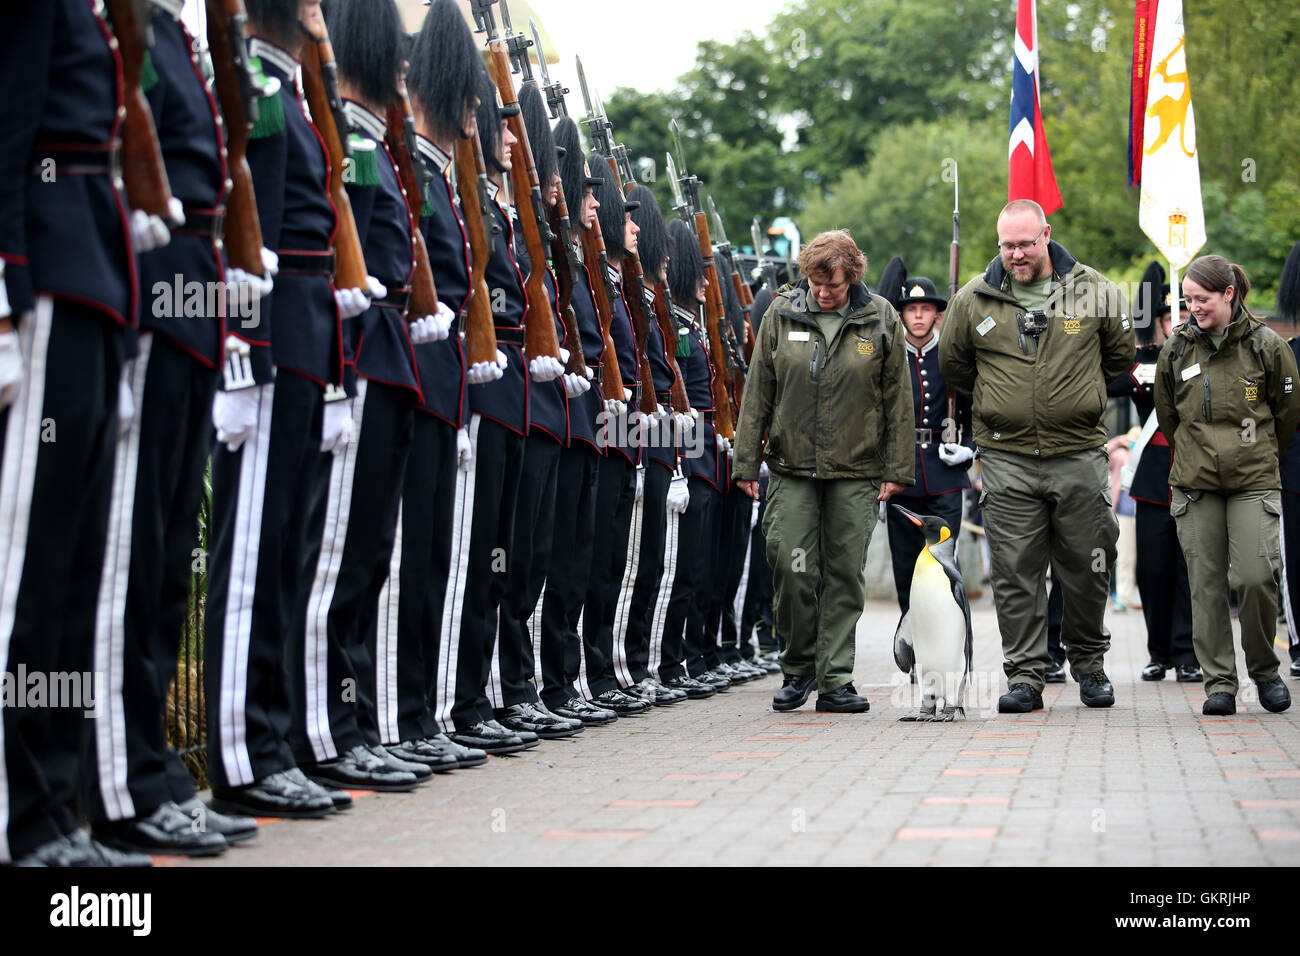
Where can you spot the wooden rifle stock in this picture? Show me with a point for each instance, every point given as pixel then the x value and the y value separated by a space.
pixel 634 279
pixel 320 83
pixel 593 253
pixel 565 272
pixel 143 172
pixel 235 93
pixel 401 140
pixel 746 296
pixel 714 315
pixel 480 331
pixel 539 321
pixel 668 329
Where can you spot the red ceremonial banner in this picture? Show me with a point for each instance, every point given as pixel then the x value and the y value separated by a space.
pixel 1144 22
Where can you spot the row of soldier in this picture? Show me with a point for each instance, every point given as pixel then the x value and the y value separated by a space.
pixel 435 534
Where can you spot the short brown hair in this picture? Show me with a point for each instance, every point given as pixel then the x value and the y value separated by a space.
pixel 831 251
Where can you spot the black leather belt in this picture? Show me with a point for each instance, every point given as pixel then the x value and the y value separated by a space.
pixel 306 263
pixel 204 222
pixel 78 159
pixel 664 398
pixel 510 335
pixel 398 298
pixel 707 415
pixel 924 436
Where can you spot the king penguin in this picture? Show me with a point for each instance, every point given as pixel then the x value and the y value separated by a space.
pixel 934 636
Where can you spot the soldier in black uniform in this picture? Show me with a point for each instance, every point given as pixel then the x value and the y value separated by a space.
pixel 1288 307
pixel 141 797
pixel 944 440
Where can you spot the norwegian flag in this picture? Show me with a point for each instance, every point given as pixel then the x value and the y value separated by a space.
pixel 1030 164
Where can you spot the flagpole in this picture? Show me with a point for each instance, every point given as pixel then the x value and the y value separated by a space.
pixel 1175 319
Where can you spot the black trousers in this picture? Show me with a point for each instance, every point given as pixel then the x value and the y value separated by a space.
pixel 709 600
pixel 906 540
pixel 644 571
pixel 556 642
pixel 685 641
pixel 263 496
pixel 483 534
pixel 1162 585
pixel 56 474
pixel 1291 567
pixel 757 614
pixel 152 548
pixel 409 614
pixel 513 665
pixel 736 512
pixel 615 497
pixel 349 557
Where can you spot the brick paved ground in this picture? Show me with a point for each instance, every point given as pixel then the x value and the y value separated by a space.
pixel 727 780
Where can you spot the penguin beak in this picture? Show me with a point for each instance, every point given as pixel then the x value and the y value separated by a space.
pixel 907 514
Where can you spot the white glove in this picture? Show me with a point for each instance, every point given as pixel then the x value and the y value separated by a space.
pixel 950 453
pixel 763 470
pixel 245 289
pixel 683 422
pixel 660 413
pixel 640 483
pixel 545 368
pixel 1144 373
pixel 433 328
pixel 351 302
pixel 464 450
pixel 11 367
pixel 679 495
pixel 270 263
pixel 642 422
pixel 234 414
pixel 481 373
pixel 883 511
pixel 564 355
pixel 724 444
pixel 376 288
pixel 615 407
pixel 575 385
pixel 148 232
pixel 125 401
pixel 337 427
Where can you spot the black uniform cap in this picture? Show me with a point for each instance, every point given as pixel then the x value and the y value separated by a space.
pixel 652 243
pixel 730 304
pixel 367 40
pixel 685 264
pixel 891 282
pixel 489 116
pixel 762 302
pixel 276 19
pixel 1288 287
pixel 445 67
pixel 568 147
pixel 540 138
pixel 613 210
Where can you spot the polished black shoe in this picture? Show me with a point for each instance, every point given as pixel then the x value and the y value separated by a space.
pixel 528 717
pixel 732 673
pixel 493 740
pixel 1295 668
pixel 465 757
pixel 1220 704
pixel 341 799
pixel 275 795
pixel 234 829
pixel 575 708
pixel 794 692
pixel 1273 695
pixel 1054 674
pixel 414 751
pixel 1020 699
pixel 842 700
pixel 640 691
pixel 529 738
pixel 359 769
pixel 689 686
pixel 664 695
pixel 108 856
pixel 767 665
pixel 573 722
pixel 1188 674
pixel 169 830
pixel 1155 670
pixel 417 768
pixel 620 703
pixel 717 681
pixel 749 667
pixel 60 852
pixel 1096 690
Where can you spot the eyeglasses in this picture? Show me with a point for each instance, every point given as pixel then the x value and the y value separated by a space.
pixel 1009 248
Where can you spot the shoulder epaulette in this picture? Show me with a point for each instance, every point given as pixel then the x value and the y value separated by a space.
pixel 270 109
pixel 364 168
pixel 148 73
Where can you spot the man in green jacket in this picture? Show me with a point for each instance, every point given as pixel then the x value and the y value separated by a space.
pixel 1034 340
pixel 828 385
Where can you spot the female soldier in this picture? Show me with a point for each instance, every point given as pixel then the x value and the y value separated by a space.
pixel 1225 400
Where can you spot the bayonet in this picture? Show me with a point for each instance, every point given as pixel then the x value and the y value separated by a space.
pixel 679 201
pixel 723 244
pixel 517 45
pixel 554 90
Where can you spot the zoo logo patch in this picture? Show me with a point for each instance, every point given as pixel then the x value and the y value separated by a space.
pixel 866 346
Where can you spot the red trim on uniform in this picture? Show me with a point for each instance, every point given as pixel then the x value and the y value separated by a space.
pixel 133 306
pixel 88 303
pixel 13 259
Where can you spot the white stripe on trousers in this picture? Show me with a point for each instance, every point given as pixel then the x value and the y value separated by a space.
pixel 1293 634
pixel 110 612
pixel 237 628
pixel 449 637
pixel 623 604
pixel 738 605
pixel 386 618
pixel 333 539
pixel 535 635
pixel 17 482
pixel 666 583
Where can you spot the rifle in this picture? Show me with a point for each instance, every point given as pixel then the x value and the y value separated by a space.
pixel 320 81
pixel 686 191
pixel 539 321
pixel 767 268
pixel 414 177
pixel 143 171
pixel 954 281
pixel 739 366
pixel 633 275
pixel 479 330
pixel 238 98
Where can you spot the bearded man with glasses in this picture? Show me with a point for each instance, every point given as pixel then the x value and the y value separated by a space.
pixel 1034 340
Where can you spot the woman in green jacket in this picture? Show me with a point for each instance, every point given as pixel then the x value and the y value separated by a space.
pixel 1225 399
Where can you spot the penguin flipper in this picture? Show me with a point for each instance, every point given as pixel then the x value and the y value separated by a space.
pixel 903 654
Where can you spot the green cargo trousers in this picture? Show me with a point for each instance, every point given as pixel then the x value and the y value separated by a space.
pixel 1056 508
pixel 817 533
pixel 1231 543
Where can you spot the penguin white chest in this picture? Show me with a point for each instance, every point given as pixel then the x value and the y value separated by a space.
pixel 938 623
